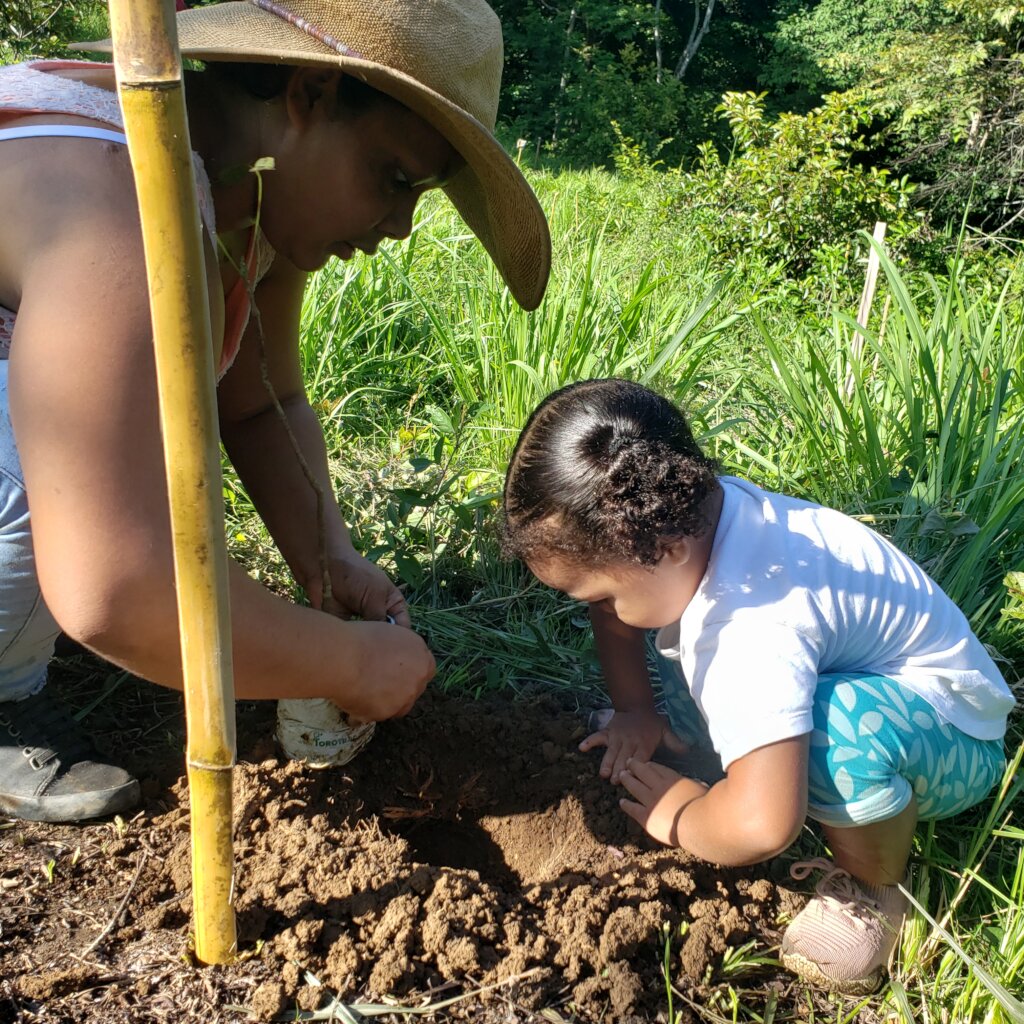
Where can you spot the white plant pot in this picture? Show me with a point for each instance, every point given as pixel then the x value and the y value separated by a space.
pixel 319 732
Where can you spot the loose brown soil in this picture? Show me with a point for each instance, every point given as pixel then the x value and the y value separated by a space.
pixel 471 846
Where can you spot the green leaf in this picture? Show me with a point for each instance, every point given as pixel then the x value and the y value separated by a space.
pixel 441 420
pixel 409 569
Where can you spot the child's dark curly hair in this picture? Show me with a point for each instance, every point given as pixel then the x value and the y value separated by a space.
pixel 605 471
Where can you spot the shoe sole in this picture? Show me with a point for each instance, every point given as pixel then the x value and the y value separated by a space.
pixel 812 973
pixel 74 806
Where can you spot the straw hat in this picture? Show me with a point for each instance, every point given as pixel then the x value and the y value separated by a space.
pixel 441 58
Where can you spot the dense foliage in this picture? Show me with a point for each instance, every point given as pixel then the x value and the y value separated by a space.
pixel 31 28
pixel 658 69
pixel 937 87
pixel 791 190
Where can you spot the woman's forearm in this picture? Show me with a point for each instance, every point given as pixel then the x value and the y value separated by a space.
pixel 266 461
pixel 278 648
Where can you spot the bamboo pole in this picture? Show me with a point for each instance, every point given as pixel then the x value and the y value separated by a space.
pixel 148 67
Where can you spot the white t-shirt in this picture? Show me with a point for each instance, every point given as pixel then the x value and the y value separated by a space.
pixel 793 591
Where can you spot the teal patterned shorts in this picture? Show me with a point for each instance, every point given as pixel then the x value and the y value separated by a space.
pixel 875 746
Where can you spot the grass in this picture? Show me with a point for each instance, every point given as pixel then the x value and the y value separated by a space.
pixel 423 370
pixel 921 433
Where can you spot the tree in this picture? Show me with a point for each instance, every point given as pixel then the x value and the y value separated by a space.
pixel 574 66
pixel 834 45
pixel 656 67
pixel 43 28
pixel 702 12
pixel 946 84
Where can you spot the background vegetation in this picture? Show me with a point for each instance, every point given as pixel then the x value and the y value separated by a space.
pixel 712 172
pixel 915 425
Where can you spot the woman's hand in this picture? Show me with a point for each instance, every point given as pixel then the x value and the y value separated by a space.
pixel 394 667
pixel 395 663
pixel 359 588
pixel 660 796
pixel 631 734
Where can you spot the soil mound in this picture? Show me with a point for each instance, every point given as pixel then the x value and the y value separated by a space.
pixel 470 846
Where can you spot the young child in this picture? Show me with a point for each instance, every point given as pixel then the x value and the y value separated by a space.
pixel 836 680
pixel 362 107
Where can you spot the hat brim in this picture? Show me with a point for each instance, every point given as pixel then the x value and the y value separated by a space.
pixel 489 191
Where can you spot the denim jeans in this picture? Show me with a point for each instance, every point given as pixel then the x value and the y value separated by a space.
pixel 27 629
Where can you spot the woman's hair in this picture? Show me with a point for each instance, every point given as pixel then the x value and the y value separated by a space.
pixel 268 81
pixel 605 471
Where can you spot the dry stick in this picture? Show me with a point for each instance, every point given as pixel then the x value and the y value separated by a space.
pixel 871 279
pixel 867 297
pixel 337 1010
pixel 120 908
pixel 382 1009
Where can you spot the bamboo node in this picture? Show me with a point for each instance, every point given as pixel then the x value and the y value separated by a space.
pixel 209 766
pixel 152 85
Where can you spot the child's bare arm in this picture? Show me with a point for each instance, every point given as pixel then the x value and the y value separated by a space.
pixel 751 815
pixel 620 649
pixel 637 729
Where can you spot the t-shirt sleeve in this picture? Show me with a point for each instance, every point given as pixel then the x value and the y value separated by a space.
pixel 754 681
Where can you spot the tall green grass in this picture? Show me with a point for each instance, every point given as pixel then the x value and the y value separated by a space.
pixel 920 431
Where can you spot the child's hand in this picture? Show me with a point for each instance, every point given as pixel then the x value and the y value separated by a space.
pixel 660 796
pixel 636 734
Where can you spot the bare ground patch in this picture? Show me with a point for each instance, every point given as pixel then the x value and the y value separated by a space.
pixel 470 846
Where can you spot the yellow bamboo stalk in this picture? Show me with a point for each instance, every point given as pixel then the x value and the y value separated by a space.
pixel 148 67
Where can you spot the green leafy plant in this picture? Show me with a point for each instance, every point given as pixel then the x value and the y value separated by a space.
pixel 43 28
pixel 430 505
pixel 791 190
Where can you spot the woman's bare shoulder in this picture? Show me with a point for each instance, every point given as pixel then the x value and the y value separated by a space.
pixel 59 196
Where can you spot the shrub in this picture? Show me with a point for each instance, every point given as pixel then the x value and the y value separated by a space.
pixel 43 28
pixel 793 190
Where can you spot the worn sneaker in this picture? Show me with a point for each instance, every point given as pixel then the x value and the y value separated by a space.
pixel 49 771
pixel 842 940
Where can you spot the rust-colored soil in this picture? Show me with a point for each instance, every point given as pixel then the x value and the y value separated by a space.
pixel 470 845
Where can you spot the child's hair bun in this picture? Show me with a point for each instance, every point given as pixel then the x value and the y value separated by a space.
pixel 605 469
pixel 605 441
pixel 649 492
pixel 622 441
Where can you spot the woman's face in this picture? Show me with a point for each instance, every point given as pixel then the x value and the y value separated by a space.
pixel 344 180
